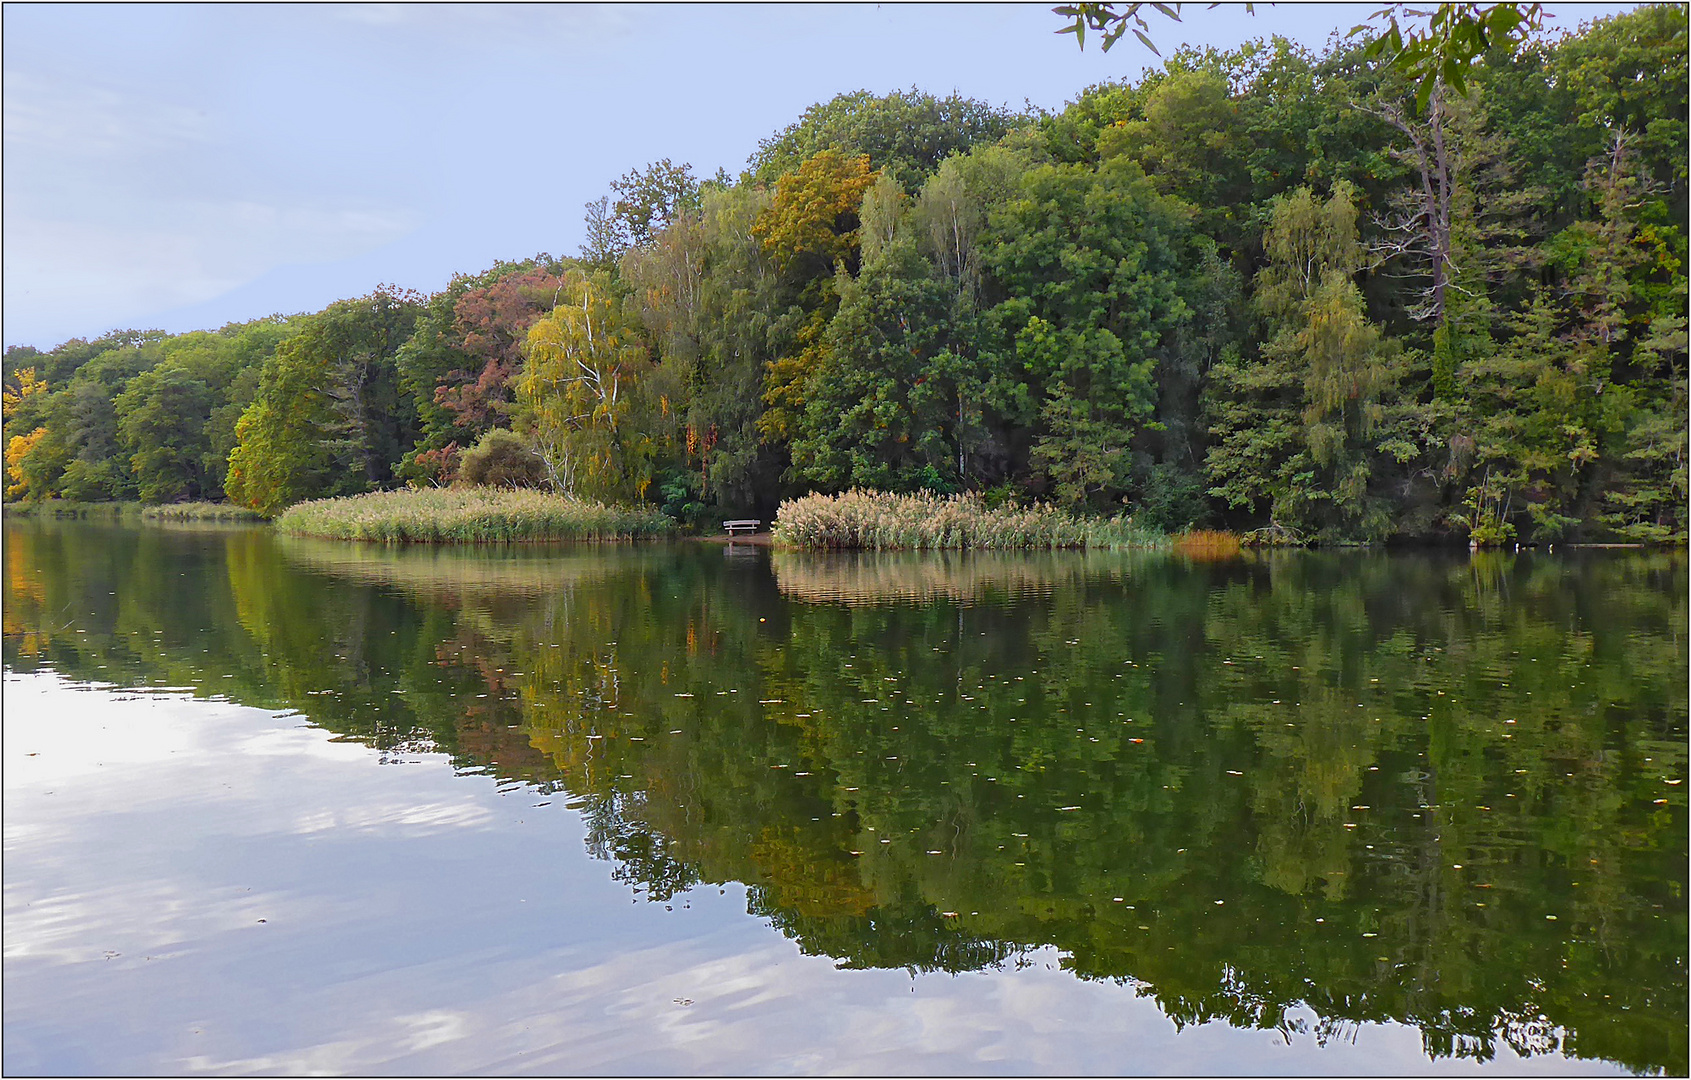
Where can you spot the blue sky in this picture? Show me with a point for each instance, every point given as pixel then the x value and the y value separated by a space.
pixel 183 166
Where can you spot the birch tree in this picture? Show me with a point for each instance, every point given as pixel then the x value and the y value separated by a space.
pixel 584 398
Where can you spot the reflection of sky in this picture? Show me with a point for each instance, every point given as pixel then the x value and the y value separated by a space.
pixel 203 887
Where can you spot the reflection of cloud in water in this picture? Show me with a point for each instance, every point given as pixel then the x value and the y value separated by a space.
pixel 763 1007
pixel 447 573
pixel 922 577
pixel 421 818
pixel 134 941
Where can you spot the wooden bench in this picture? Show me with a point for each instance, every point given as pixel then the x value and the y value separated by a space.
pixel 742 525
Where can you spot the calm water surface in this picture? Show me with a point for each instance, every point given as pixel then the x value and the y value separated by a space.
pixel 285 806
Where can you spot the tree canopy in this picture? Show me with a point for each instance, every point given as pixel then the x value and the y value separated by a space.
pixel 1337 295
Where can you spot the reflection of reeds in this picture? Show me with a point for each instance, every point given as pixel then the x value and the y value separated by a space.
pixel 1206 544
pixel 199 511
pixel 878 578
pixel 453 574
pixel 469 516
pixel 65 508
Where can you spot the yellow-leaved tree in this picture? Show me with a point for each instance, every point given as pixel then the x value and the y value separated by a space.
pixel 588 396
pixel 810 230
pixel 29 384
pixel 18 449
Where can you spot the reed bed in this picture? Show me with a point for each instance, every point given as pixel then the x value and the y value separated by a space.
pixel 199 511
pixel 469 516
pixel 881 521
pixel 1208 544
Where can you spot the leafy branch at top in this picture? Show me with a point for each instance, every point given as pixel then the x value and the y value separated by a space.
pixel 1442 49
pixel 1455 35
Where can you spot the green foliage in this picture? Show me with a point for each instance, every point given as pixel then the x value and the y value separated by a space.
pixel 329 418
pixel 1091 264
pixel 162 418
pixel 1454 37
pixel 883 409
pixel 1307 425
pixel 907 132
pixel 709 299
pixel 591 401
pixel 1452 40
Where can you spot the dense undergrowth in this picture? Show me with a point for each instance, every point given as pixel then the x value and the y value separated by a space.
pixel 469 516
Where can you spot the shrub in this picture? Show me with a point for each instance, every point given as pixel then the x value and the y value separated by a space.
pixel 501 458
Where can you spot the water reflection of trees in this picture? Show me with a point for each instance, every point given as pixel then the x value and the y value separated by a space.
pixel 1425 790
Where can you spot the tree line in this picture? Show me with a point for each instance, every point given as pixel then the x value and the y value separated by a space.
pixel 1265 289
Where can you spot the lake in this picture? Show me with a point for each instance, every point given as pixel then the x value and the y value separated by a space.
pixel 279 805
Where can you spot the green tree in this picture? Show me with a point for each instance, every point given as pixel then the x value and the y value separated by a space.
pixel 907 132
pixel 1089 266
pixel 1190 140
pixel 709 295
pixel 952 208
pixel 885 409
pixel 1302 431
pixel 162 416
pixel 86 418
pixel 329 418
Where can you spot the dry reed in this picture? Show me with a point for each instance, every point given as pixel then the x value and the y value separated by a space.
pixel 882 521
pixel 469 516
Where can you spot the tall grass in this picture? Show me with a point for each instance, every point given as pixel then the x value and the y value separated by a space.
pixel 883 521
pixel 199 511
pixel 469 516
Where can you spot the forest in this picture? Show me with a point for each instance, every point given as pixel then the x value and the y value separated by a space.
pixel 1270 290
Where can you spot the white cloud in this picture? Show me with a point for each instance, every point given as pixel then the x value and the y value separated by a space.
pixel 67 272
pixel 84 123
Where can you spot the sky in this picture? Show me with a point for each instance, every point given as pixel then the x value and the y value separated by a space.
pixel 183 166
